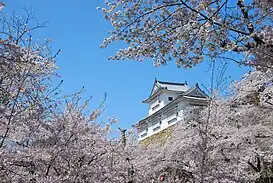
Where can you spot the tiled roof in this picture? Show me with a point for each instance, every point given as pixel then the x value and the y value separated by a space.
pixel 167 86
pixel 195 92
pixel 182 87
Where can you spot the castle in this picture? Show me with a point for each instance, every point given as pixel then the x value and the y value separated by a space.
pixel 167 103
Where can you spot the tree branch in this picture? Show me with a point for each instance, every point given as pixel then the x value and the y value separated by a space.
pixel 249 25
pixel 212 21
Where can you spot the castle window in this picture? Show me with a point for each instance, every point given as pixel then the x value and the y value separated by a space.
pixel 172 120
pixel 156 128
pixel 155 107
pixel 170 98
pixel 196 104
pixel 143 135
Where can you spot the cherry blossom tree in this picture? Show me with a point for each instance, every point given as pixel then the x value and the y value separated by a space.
pixel 228 141
pixel 48 138
pixel 190 31
pixel 45 137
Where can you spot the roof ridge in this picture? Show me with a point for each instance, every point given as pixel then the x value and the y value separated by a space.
pixel 172 83
pixel 190 90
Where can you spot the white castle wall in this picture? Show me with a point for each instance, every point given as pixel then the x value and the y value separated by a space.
pixel 164 120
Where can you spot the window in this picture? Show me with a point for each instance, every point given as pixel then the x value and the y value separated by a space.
pixel 155 107
pixel 196 104
pixel 156 128
pixel 172 120
pixel 143 135
pixel 170 98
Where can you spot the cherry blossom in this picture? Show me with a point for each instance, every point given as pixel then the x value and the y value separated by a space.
pixel 188 32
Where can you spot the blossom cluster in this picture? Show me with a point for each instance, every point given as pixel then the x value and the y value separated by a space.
pixel 186 32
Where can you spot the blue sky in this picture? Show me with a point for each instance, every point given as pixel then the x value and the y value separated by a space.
pixel 78 30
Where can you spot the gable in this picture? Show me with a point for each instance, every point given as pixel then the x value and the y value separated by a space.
pixel 161 86
pixel 155 88
pixel 196 92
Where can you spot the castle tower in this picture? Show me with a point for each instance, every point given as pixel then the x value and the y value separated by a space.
pixel 167 103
